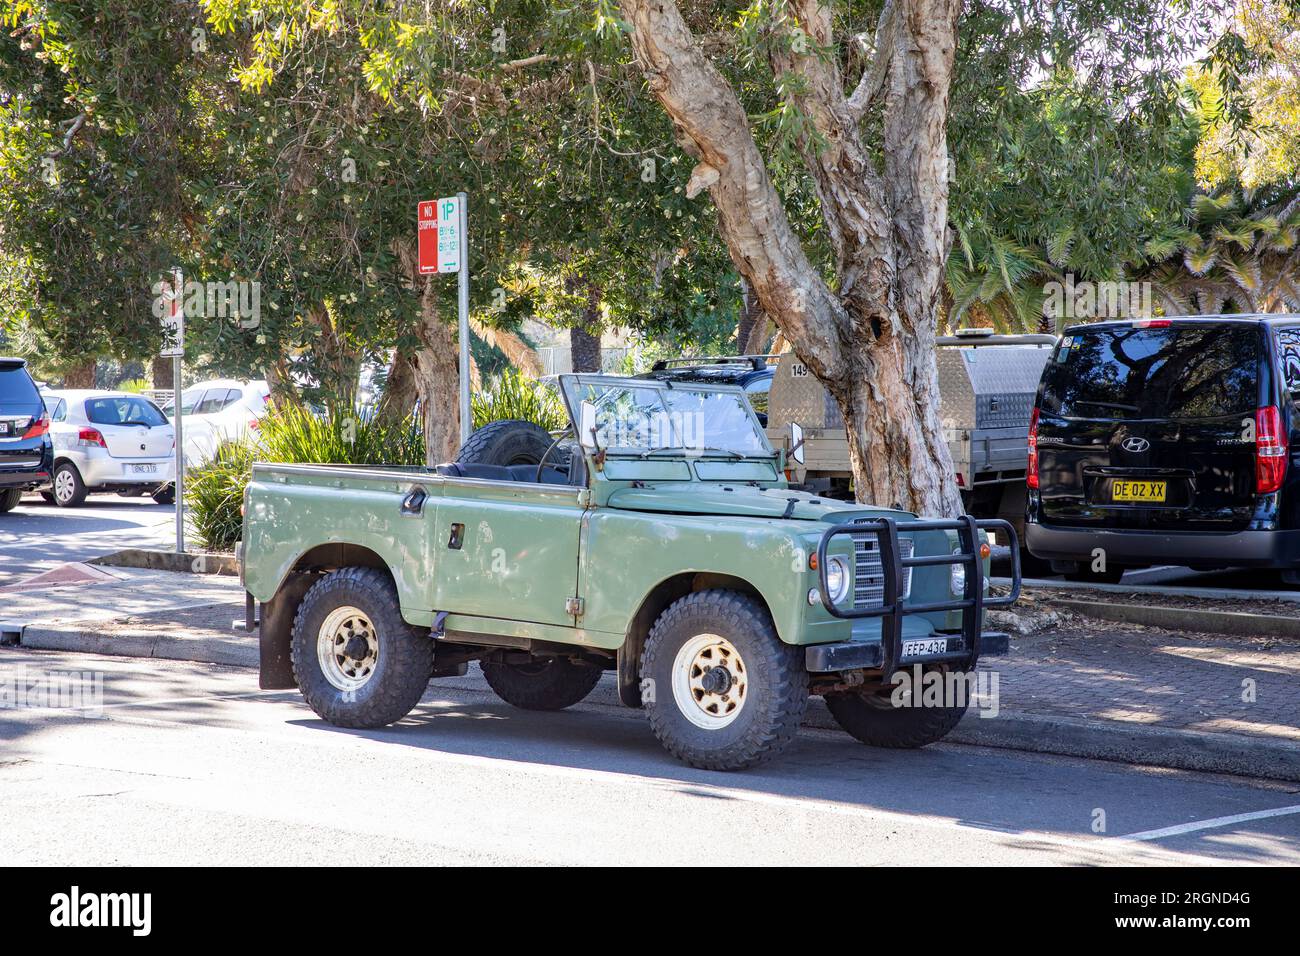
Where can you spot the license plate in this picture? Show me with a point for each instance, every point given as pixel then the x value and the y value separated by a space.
pixel 144 469
pixel 924 648
pixel 1125 490
pixel 6 429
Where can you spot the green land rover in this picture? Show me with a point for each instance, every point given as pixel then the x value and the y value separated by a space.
pixel 656 538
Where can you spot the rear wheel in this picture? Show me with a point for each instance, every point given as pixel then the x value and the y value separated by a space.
pixel 542 684
pixel 721 690
pixel 69 490
pixel 356 661
pixel 9 499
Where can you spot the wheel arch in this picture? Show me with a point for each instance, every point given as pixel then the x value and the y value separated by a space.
pixel 655 602
pixel 275 632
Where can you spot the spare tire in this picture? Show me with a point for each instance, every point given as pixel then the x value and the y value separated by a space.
pixel 510 441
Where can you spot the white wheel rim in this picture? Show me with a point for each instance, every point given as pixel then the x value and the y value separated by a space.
pixel 64 487
pixel 710 681
pixel 347 648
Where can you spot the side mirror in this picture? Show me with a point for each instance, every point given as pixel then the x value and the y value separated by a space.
pixel 796 442
pixel 587 426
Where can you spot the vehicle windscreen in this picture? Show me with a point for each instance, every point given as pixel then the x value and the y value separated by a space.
pixel 124 410
pixel 16 386
pixel 679 419
pixel 1174 372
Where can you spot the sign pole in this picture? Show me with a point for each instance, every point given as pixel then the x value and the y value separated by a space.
pixel 178 496
pixel 463 337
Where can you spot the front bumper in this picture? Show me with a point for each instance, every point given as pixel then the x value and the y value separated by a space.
pixel 898 625
pixel 868 655
pixel 1245 549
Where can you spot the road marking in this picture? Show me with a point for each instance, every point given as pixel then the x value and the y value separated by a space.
pixel 1211 824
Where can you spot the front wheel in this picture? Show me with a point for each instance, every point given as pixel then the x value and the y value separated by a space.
pixel 356 661
pixel 721 690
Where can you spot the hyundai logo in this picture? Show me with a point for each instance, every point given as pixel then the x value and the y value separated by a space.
pixel 1135 444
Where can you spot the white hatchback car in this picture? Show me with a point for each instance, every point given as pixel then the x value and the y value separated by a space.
pixel 108 441
pixel 222 410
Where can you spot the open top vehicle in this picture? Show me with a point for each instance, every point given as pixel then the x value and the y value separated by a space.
pixel 656 538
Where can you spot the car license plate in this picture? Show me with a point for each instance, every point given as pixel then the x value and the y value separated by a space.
pixel 931 645
pixel 1125 490
pixel 144 469
pixel 6 429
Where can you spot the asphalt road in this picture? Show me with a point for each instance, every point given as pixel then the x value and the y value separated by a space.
pixel 191 763
pixel 36 536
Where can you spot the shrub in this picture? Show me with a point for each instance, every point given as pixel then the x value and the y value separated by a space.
pixel 291 434
pixel 213 494
pixel 514 395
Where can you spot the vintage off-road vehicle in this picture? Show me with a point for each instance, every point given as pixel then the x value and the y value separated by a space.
pixel 657 539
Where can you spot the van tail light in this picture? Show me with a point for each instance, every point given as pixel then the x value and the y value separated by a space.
pixel 38 427
pixel 91 437
pixel 1270 450
pixel 1031 467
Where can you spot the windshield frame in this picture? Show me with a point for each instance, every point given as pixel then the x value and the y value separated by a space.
pixel 568 382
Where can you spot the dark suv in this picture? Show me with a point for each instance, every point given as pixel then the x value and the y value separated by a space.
pixel 1168 441
pixel 25 450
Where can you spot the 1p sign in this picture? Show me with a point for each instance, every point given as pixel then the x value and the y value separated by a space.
pixel 427 232
pixel 449 237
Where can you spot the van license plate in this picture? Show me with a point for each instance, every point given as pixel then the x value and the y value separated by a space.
pixel 1137 490
pixel 931 645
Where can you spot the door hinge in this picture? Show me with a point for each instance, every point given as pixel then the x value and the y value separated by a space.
pixel 574 606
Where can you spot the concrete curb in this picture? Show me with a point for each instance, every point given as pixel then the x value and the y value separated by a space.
pixel 190 562
pixel 1232 623
pixel 79 637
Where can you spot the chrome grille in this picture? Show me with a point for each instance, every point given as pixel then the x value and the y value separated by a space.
pixel 868 575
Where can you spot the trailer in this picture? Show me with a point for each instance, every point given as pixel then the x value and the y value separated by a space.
pixel 987 385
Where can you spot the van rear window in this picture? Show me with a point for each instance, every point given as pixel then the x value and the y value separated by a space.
pixel 1175 372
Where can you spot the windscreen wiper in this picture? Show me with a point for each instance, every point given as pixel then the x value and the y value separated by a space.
pixel 664 449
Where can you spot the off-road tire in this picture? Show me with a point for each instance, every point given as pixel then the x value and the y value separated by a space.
pixel 9 499
pixel 510 441
pixel 776 694
pixel 165 496
pixel 79 489
pixel 542 685
pixel 872 719
pixel 403 665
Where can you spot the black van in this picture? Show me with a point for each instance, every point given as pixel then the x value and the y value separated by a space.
pixel 26 454
pixel 1168 441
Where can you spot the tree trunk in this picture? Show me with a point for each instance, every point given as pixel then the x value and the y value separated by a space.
pixel 752 318
pixel 399 389
pixel 163 372
pixel 81 375
pixel 871 340
pixel 434 366
pixel 280 381
pixel 584 337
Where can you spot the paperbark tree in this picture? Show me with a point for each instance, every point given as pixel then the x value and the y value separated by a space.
pixel 870 336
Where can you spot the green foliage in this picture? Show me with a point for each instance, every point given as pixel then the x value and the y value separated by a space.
pixel 512 395
pixel 214 493
pixel 295 434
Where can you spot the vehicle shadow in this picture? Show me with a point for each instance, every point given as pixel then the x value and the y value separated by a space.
pixel 1003 791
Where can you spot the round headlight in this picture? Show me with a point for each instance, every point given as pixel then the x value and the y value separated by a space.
pixel 837 578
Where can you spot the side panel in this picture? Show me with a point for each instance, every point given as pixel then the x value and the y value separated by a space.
pixel 626 554
pixel 287 516
pixel 517 553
